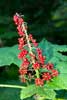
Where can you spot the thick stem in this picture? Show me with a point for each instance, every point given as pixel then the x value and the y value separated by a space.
pixel 12 86
pixel 28 42
pixel 29 45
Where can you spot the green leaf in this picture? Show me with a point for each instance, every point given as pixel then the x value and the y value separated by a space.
pixel 45 92
pixel 51 51
pixel 41 91
pixel 61 48
pixel 8 55
pixel 59 61
pixel 28 91
pixel 47 49
pixel 59 82
pixel 62 77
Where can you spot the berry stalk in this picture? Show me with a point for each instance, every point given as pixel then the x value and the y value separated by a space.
pixel 30 49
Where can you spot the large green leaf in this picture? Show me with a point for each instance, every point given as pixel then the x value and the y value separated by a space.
pixel 47 49
pixel 59 61
pixel 32 89
pixel 46 92
pixel 62 77
pixel 8 55
pixel 41 91
pixel 28 92
pixel 60 82
pixel 52 51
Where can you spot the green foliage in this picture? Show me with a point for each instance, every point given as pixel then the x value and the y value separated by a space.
pixel 8 55
pixel 53 52
pixel 59 82
pixel 28 91
pixel 41 91
pixel 46 92
pixel 59 61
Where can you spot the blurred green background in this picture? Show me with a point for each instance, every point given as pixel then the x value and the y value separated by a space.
pixel 46 19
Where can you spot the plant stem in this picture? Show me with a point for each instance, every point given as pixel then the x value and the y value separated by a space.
pixel 29 45
pixel 28 42
pixel 12 86
pixel 37 73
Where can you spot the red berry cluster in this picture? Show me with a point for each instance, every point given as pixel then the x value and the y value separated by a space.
pixel 32 62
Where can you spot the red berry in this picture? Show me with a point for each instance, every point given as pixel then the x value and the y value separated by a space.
pixel 20 30
pixel 25 63
pixel 20 21
pixel 15 18
pixel 21 40
pixel 54 73
pixel 19 46
pixel 46 76
pixel 23 71
pixel 21 33
pixel 36 65
pixel 39 51
pixel 41 58
pixel 39 82
pixel 22 54
pixel 21 43
pixel 34 42
pixel 49 66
